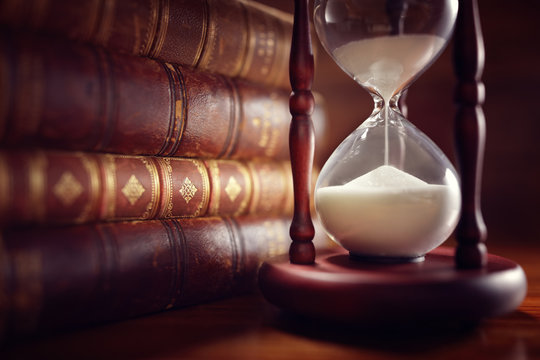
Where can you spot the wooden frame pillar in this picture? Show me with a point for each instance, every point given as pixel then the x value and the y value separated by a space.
pixel 301 136
pixel 470 134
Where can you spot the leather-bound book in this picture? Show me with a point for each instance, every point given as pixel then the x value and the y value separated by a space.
pixel 69 96
pixel 50 187
pixel 230 37
pixel 57 278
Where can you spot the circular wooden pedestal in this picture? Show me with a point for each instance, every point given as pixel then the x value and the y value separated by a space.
pixel 337 288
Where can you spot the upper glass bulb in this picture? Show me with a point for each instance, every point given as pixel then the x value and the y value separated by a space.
pixel 384 44
pixel 387 191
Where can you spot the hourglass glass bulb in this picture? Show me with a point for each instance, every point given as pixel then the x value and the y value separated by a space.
pixel 384 44
pixel 387 191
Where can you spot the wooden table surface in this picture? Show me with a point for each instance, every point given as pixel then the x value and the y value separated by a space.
pixel 249 328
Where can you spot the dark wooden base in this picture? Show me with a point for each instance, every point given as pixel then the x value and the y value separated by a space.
pixel 337 288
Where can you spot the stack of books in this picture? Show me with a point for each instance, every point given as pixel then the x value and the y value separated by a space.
pixel 144 155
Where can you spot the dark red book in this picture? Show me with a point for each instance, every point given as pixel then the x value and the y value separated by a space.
pixel 58 278
pixel 234 38
pixel 61 95
pixel 53 187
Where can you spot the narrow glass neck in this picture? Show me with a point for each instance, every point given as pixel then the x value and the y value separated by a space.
pixel 379 102
pixel 380 106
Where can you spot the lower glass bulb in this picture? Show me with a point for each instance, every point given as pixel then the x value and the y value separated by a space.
pixel 388 191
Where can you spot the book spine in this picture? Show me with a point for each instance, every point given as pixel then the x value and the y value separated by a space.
pixel 48 187
pixel 75 97
pixel 61 277
pixel 234 38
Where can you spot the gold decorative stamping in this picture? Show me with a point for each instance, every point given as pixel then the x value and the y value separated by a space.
pixel 210 40
pixel 67 189
pixel 233 188
pixel 37 167
pixel 94 189
pixel 188 190
pixel 202 208
pixel 277 243
pixel 5 186
pixel 161 24
pixel 166 171
pixel 133 190
pixel 205 25
pixel 108 163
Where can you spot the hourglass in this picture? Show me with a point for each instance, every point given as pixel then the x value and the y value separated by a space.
pixel 388 195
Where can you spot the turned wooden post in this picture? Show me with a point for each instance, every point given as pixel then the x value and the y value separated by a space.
pixel 301 136
pixel 470 134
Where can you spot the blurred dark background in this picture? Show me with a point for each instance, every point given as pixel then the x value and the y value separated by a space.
pixel 511 175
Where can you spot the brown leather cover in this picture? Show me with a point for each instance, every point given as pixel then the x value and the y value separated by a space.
pixel 60 277
pixel 234 38
pixel 49 187
pixel 75 97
